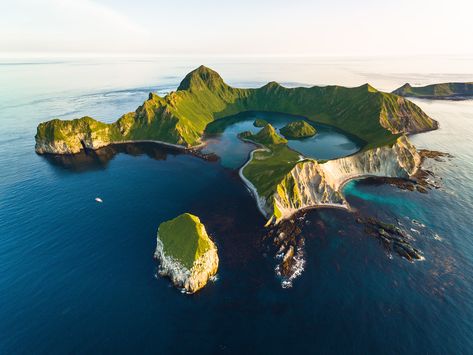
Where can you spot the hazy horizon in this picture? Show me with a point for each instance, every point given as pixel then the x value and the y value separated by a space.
pixel 245 28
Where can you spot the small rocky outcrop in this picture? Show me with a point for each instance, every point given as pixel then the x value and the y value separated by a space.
pixel 298 129
pixel 259 122
pixel 393 238
pixel 266 136
pixel 289 246
pixel 186 253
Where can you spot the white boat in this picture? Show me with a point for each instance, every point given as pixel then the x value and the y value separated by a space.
pixel 98 199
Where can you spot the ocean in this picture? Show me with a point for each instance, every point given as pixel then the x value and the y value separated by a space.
pixel 77 276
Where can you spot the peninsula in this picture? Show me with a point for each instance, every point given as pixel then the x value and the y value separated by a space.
pixel 446 91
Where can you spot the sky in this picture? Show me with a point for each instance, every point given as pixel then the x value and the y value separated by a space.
pixel 236 28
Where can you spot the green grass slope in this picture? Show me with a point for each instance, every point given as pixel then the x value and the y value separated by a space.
pixel 443 90
pixel 268 167
pixel 266 136
pixel 298 129
pixel 203 97
pixel 184 238
pixel 259 122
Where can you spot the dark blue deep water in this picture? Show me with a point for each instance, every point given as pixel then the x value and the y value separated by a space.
pixel 77 276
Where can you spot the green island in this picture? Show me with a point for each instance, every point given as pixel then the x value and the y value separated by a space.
pixel 266 136
pixel 437 91
pixel 259 122
pixel 281 180
pixel 181 117
pixel 186 253
pixel 298 129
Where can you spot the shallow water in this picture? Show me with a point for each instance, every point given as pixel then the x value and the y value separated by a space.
pixel 78 276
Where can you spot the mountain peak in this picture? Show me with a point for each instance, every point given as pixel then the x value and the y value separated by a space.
pixel 403 89
pixel 368 87
pixel 201 77
pixel 268 135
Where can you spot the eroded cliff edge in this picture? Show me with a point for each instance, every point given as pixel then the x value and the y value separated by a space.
pixel 186 253
pixel 311 184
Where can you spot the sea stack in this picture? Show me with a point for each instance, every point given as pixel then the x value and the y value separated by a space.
pixel 186 253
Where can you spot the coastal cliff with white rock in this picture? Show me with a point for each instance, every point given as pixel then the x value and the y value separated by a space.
pixel 311 184
pixel 186 253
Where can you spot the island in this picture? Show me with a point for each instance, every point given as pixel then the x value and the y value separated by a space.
pixel 180 118
pixel 281 179
pixel 186 253
pixel 259 122
pixel 298 129
pixel 445 91
pixel 266 136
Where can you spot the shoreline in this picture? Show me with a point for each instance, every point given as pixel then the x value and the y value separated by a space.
pixel 193 150
pixel 261 205
pixel 258 199
pixel 249 185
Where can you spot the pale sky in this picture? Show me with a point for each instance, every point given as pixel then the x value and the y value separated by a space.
pixel 239 27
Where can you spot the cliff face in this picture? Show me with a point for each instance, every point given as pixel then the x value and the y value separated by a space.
pixel 185 252
pixel 306 185
pixel 193 279
pixel 70 137
pixel 310 184
pixel 203 97
pixel 399 115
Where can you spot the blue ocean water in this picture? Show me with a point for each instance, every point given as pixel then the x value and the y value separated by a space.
pixel 78 276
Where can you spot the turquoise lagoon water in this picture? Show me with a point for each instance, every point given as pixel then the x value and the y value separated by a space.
pixel 78 277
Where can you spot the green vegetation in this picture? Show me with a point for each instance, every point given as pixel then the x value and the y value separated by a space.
pixel 298 129
pixel 266 136
pixel 269 167
pixel 444 90
pixel 184 238
pixel 259 122
pixel 203 97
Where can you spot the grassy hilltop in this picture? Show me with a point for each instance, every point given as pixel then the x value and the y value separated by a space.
pixel 203 97
pixel 266 136
pixel 184 238
pixel 298 129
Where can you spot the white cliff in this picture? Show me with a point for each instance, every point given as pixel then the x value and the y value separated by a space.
pixel 186 253
pixel 311 184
